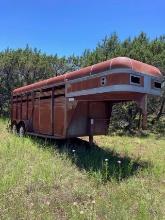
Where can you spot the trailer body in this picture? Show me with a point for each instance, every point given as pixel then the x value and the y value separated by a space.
pixel 80 103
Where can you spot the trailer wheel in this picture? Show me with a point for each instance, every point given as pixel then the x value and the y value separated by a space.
pixel 14 129
pixel 21 131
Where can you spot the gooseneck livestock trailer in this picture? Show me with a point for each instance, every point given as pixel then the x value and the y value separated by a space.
pixel 79 103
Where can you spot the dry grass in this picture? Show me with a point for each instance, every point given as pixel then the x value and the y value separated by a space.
pixel 49 180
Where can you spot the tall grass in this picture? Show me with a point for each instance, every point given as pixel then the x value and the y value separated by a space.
pixel 117 178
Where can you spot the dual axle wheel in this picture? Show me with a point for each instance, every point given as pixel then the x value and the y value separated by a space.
pixel 20 130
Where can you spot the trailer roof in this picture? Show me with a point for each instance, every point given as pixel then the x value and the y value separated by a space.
pixel 115 63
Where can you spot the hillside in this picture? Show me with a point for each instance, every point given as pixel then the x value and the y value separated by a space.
pixel 119 178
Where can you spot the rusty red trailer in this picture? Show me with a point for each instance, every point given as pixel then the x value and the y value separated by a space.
pixel 79 103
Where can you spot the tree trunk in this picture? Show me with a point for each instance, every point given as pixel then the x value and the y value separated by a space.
pixel 161 110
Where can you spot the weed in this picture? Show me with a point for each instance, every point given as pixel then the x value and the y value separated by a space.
pixel 120 177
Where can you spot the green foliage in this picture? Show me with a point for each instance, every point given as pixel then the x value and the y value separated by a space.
pixel 124 117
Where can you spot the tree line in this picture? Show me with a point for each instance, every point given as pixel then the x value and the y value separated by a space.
pixel 24 66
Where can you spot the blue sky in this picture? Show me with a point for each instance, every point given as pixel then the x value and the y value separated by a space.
pixel 70 26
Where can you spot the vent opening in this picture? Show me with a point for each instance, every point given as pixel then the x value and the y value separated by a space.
pixel 157 85
pixel 103 81
pixel 135 79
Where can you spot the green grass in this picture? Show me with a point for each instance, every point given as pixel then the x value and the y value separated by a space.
pixel 49 180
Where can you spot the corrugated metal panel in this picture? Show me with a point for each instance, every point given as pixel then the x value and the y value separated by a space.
pixel 14 111
pixel 78 120
pixel 45 116
pixel 59 116
pixel 24 109
pixel 36 115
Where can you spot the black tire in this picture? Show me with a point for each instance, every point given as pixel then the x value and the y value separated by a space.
pixel 14 129
pixel 21 131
